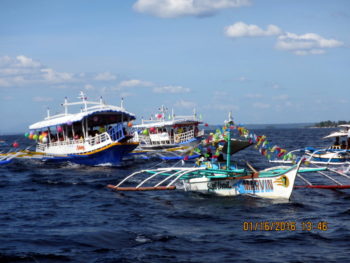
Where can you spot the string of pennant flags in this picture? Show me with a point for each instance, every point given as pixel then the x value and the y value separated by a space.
pixel 266 148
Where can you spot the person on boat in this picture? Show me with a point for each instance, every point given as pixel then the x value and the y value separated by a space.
pixel 102 129
pixel 196 131
pixel 337 141
pixel 343 145
pixel 221 158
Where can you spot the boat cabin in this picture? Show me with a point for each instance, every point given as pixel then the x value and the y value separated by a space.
pixel 162 132
pixel 95 126
pixel 342 138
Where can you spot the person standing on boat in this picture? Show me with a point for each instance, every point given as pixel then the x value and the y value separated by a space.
pixel 337 142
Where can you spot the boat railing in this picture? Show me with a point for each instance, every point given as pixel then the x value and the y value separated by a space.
pixel 43 146
pixel 184 136
pixel 173 118
pixel 163 140
pixel 144 139
pixel 200 133
pixel 99 139
pixel 117 132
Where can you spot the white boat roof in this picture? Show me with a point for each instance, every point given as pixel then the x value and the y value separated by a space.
pixel 344 125
pixel 336 134
pixel 157 124
pixel 99 107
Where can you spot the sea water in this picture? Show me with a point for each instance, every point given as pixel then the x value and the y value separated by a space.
pixel 64 213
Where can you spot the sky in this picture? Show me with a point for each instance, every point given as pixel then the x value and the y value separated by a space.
pixel 267 61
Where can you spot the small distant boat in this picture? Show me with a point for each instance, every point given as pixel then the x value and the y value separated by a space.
pixel 168 139
pixel 94 136
pixel 336 154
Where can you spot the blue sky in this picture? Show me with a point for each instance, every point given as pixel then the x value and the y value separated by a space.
pixel 267 61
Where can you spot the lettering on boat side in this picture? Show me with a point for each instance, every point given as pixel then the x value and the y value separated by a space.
pixel 80 147
pixel 249 186
pixel 219 185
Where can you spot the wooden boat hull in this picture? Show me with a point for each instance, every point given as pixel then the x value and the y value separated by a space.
pixel 332 157
pixel 168 152
pixel 112 155
pixel 274 187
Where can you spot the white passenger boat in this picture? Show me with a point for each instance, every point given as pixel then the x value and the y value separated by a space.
pixel 93 136
pixel 169 139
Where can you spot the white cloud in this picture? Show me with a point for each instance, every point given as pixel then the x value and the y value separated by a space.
pixel 306 44
pixel 42 99
pixel 241 29
pixel 280 97
pixel 135 83
pixel 89 87
pixel 222 107
pixel 21 70
pixel 171 89
pixel 24 71
pixel 242 79
pixel 275 86
pixel 126 94
pixel 176 8
pixel 260 105
pixel 185 104
pixel 105 76
pixel 23 61
pixel 52 76
pixel 253 95
pixel 7 98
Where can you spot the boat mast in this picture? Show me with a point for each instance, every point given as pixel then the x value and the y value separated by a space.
pixel 228 155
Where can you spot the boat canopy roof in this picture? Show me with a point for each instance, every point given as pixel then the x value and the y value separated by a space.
pixel 344 125
pixel 105 114
pixel 157 124
pixel 336 134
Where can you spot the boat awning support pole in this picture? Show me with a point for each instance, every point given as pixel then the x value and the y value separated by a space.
pixel 82 125
pixel 228 156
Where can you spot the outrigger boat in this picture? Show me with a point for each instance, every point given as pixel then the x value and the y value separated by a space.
pixel 224 182
pixel 337 154
pixel 93 136
pixel 171 139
